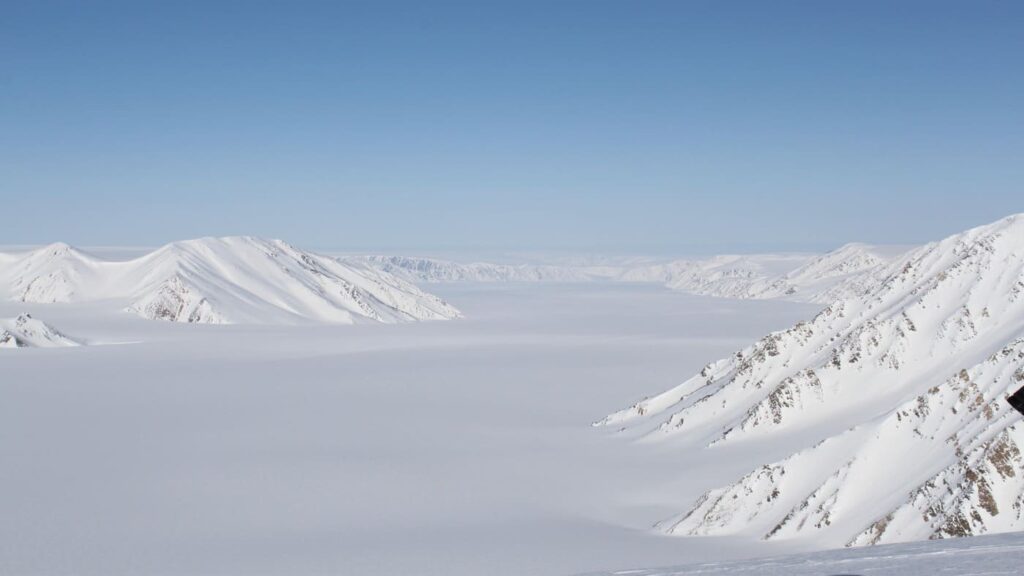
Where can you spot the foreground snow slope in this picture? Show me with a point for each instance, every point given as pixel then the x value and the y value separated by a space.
pixel 24 331
pixel 981 556
pixel 222 280
pixel 895 397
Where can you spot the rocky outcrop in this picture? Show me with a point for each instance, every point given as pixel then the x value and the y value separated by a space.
pixel 25 331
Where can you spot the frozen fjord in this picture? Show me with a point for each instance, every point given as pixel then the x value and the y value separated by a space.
pixel 430 448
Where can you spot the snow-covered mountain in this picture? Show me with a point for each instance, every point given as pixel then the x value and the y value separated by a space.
pixel 431 270
pixel 843 272
pixel 846 271
pixel 28 332
pixel 50 274
pixel 728 276
pixel 222 280
pixel 894 397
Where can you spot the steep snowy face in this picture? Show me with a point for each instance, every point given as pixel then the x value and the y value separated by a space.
pixel 244 279
pixel 28 332
pixel 226 280
pixel 900 389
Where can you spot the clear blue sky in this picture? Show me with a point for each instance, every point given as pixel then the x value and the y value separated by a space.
pixel 631 126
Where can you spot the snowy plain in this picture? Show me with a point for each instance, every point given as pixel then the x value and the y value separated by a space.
pixel 453 448
pixel 998 555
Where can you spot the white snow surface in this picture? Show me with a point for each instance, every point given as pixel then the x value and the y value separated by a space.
pixel 24 331
pixel 291 443
pixel 430 448
pixel 221 281
pixel 891 403
pixel 982 556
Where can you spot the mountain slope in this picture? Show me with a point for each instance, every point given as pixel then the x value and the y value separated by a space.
pixel 50 274
pixel 224 280
pixel 846 272
pixel 898 394
pixel 28 332
pixel 729 276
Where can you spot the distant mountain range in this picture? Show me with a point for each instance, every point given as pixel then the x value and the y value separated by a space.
pixel 801 277
pixel 251 280
pixel 432 270
pixel 892 398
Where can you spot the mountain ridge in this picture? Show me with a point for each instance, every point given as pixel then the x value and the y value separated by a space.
pixel 223 280
pixel 938 342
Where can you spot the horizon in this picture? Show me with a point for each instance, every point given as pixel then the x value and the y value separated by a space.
pixel 506 256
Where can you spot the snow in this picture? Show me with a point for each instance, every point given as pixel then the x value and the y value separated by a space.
pixel 435 448
pixel 801 277
pixel 432 270
pixel 891 403
pixel 24 331
pixel 222 281
pixel 285 441
pixel 981 556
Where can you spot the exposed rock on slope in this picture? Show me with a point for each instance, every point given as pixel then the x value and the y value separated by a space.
pixel 224 280
pixel 174 301
pixel 28 332
pixel 51 274
pixel 899 389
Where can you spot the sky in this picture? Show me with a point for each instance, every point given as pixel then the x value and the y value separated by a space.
pixel 630 126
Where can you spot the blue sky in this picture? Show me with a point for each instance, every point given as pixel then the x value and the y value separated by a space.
pixel 633 126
